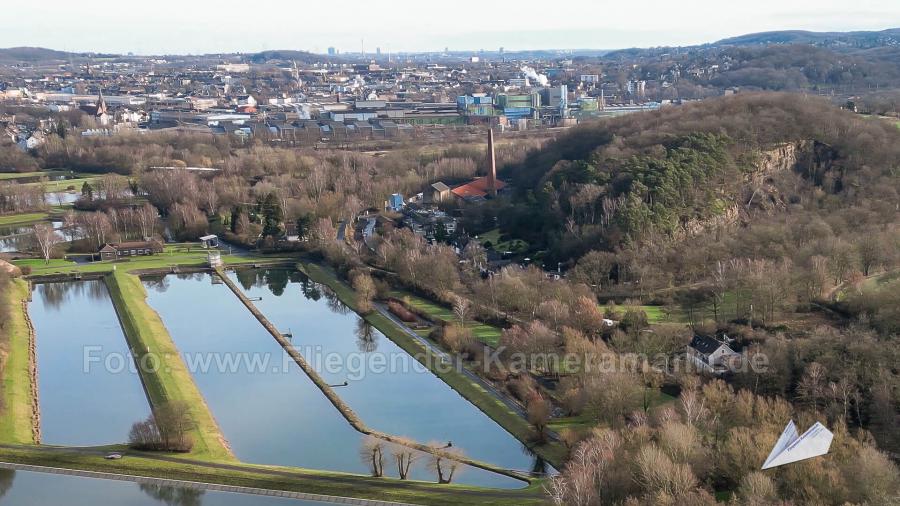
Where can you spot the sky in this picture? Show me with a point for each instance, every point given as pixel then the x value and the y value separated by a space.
pixel 201 26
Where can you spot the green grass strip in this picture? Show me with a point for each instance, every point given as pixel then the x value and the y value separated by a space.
pixel 19 219
pixel 172 381
pixel 17 408
pixel 279 478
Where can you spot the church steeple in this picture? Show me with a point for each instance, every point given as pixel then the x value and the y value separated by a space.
pixel 492 165
pixel 101 104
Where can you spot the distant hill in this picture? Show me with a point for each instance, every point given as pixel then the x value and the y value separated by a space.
pixel 863 39
pixel 31 54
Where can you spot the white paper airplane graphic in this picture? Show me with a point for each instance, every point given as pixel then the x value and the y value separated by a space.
pixel 792 448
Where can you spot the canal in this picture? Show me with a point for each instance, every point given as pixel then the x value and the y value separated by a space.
pixel 268 409
pixel 90 393
pixel 387 387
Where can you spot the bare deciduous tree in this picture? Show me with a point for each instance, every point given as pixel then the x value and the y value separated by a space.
pixel 443 463
pixel 371 454
pixel 364 287
pixel 46 239
pixel 404 456
pixel 462 308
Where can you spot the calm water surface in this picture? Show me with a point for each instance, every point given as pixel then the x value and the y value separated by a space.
pixel 385 385
pixel 25 488
pixel 267 408
pixel 85 399
pixel 20 237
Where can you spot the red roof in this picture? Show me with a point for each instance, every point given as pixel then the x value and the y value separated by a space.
pixel 477 188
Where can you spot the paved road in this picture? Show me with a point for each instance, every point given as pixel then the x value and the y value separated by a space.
pixel 235 249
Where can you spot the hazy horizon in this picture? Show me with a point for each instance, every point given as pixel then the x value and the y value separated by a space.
pixel 406 26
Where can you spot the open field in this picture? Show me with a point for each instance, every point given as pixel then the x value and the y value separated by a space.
pixel 19 219
pixel 493 236
pixel 660 314
pixel 483 400
pixel 586 421
pixel 55 186
pixel 487 334
pixel 147 335
pixel 12 176
pixel 272 477
pixel 16 411
pixel 76 181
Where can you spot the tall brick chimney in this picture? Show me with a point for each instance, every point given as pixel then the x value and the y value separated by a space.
pixel 492 161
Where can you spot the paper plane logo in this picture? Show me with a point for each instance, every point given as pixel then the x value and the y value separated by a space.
pixel 792 447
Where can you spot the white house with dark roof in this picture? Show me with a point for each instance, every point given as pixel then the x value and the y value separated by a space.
pixel 711 355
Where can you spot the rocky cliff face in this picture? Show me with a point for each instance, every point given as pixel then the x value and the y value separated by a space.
pixel 695 226
pixel 808 159
pixel 780 158
pixel 811 160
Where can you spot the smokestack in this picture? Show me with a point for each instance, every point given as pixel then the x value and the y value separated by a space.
pixel 492 161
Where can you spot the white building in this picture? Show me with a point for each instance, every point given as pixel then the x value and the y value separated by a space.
pixel 234 67
pixel 711 355
pixel 246 100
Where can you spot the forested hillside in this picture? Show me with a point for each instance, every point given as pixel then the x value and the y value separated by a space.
pixel 742 161
pixel 771 217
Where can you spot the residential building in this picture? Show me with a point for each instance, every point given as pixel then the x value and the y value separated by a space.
pixel 711 355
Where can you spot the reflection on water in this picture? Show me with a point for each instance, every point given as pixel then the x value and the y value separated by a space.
pixel 6 481
pixel 40 489
pixel 409 401
pixel 273 414
pixel 366 337
pixel 15 238
pixel 20 237
pixel 173 496
pixel 61 198
pixel 89 390
pixel 269 416
pixel 55 295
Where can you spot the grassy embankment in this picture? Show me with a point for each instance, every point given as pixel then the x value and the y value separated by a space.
pixel 279 478
pixel 172 381
pixel 16 410
pixel 22 219
pixel 483 400
pixel 179 255
pixel 487 334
